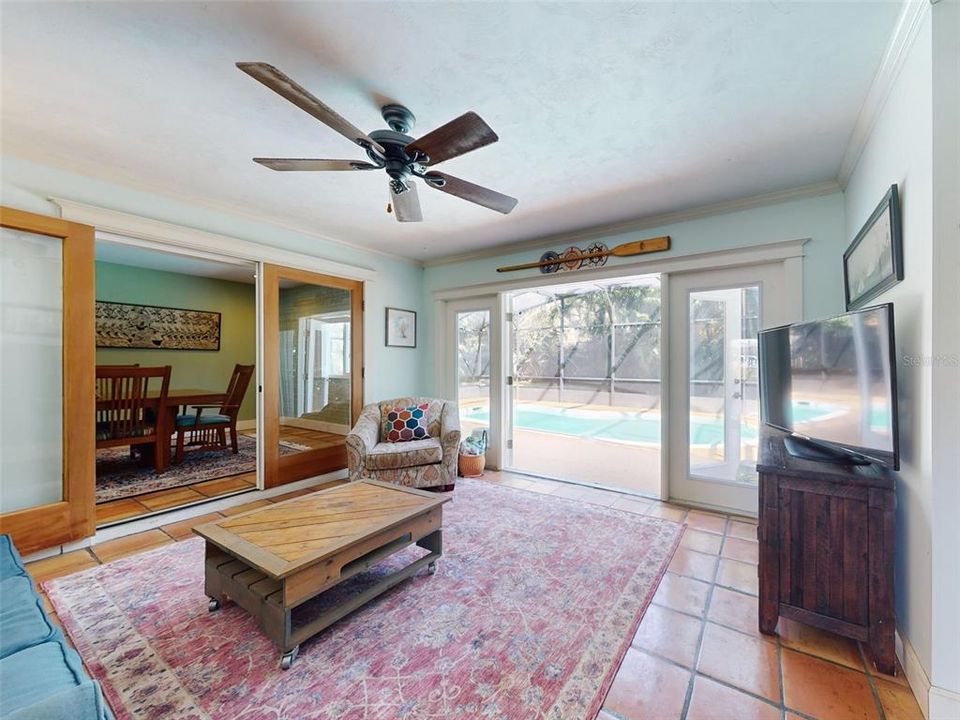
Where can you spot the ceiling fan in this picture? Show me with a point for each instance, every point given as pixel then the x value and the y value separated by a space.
pixel 393 150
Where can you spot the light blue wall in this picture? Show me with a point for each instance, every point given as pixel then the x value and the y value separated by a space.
pixel 391 372
pixel 821 219
pixel 900 150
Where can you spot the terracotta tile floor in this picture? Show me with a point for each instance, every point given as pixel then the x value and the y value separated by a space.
pixel 697 654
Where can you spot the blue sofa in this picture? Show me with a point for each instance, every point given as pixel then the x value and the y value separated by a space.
pixel 41 676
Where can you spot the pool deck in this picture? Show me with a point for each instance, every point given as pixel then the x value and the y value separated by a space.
pixel 598 462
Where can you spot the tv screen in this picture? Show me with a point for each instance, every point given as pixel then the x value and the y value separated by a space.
pixel 834 382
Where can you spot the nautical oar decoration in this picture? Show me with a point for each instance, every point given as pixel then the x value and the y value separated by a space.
pixel 574 258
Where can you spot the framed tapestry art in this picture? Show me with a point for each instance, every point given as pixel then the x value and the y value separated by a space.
pixel 123 325
pixel 874 260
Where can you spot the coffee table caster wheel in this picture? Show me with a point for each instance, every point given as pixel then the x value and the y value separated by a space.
pixel 286 660
pixel 432 567
pixel 213 605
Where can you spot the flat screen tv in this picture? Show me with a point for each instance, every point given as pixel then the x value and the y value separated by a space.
pixel 831 384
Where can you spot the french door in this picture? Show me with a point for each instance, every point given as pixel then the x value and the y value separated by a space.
pixel 312 376
pixel 46 380
pixel 714 380
pixel 474 368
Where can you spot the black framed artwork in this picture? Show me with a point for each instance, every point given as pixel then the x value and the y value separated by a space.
pixel 401 328
pixel 874 260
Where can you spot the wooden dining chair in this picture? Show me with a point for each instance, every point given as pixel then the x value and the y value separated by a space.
pixel 209 431
pixel 102 388
pixel 123 400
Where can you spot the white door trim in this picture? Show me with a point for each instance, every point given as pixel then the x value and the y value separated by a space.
pixel 655 265
pixel 782 306
pixel 493 305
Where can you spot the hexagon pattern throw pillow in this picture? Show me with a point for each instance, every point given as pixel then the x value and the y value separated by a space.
pixel 404 424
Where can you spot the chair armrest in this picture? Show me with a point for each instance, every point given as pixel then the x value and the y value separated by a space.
pixel 366 433
pixel 362 438
pixel 450 428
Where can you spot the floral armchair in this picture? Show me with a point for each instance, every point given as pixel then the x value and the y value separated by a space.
pixel 431 462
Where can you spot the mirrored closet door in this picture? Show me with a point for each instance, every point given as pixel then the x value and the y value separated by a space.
pixel 312 371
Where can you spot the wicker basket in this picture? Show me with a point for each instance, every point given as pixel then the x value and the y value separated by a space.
pixel 472 465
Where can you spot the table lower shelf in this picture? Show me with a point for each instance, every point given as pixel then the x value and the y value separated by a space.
pixel 289 625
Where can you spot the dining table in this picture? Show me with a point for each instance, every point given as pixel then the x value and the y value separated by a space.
pixel 160 454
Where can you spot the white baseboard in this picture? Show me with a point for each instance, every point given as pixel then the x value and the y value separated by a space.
pixel 916 675
pixel 944 704
pixel 44 554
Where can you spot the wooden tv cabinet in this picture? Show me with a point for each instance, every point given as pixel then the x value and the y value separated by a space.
pixel 826 537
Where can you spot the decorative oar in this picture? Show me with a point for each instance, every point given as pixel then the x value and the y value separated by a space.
pixel 637 247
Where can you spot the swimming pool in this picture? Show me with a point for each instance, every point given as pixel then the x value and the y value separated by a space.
pixel 619 426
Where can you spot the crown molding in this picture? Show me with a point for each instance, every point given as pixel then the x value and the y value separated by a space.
pixel 226 208
pixel 912 13
pixel 827 187
pixel 121 227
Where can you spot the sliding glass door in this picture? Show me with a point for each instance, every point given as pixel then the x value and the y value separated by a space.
pixel 312 371
pixel 46 380
pixel 585 396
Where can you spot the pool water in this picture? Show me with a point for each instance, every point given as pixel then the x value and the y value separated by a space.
pixel 635 427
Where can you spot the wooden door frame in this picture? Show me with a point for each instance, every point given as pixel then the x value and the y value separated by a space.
pixel 73 518
pixel 279 470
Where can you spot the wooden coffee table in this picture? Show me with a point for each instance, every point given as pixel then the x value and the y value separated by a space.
pixel 270 561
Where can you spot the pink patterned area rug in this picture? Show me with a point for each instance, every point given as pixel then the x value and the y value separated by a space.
pixel 529 615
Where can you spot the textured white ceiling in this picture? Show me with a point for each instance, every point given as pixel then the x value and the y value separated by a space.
pixel 606 111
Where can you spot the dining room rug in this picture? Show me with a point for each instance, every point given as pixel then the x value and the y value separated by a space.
pixel 119 476
pixel 531 610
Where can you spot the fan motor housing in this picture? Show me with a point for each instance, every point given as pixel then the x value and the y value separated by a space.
pixel 398 117
pixel 396 162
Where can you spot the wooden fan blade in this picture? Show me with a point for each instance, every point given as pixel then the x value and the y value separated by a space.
pixel 406 205
pixel 313 164
pixel 474 193
pixel 288 89
pixel 465 133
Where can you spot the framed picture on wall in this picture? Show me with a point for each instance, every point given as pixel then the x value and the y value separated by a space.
pixel 401 328
pixel 874 260
pixel 150 327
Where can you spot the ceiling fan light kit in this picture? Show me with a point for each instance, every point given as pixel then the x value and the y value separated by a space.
pixel 393 150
